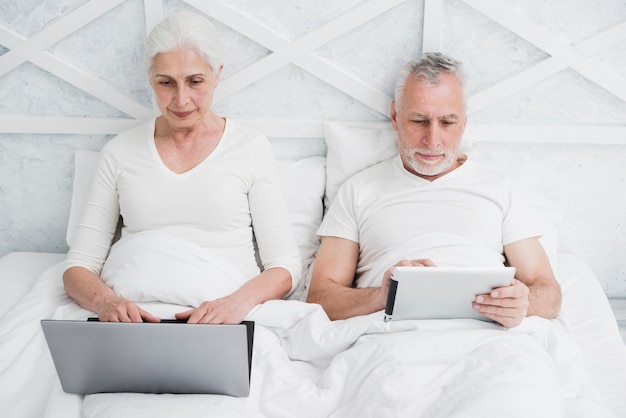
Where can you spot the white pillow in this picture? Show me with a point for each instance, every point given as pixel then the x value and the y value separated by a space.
pixel 351 149
pixel 303 182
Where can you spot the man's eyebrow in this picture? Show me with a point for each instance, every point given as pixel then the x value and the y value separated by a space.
pixel 423 116
pixel 187 77
pixel 418 116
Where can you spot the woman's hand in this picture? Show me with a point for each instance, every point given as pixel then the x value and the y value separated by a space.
pixel 117 309
pixel 225 310
pixel 91 293
pixel 273 283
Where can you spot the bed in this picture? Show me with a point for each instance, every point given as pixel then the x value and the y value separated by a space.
pixel 307 366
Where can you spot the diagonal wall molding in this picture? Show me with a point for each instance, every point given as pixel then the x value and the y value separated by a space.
pixel 68 24
pixel 594 45
pixel 563 54
pixel 301 52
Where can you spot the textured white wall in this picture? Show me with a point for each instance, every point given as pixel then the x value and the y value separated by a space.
pixel 584 182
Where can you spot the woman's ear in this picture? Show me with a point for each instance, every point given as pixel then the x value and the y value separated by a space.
pixel 218 73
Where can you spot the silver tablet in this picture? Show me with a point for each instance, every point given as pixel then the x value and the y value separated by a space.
pixel 441 292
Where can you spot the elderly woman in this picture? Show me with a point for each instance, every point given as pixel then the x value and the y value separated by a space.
pixel 188 175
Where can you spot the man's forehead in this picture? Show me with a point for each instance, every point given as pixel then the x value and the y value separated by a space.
pixel 419 92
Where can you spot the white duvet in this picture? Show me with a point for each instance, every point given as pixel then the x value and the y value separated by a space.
pixel 307 366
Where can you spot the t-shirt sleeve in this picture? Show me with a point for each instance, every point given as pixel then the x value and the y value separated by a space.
pixel 270 216
pixel 519 221
pixel 341 218
pixel 98 223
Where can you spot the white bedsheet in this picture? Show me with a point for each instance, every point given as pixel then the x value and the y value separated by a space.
pixel 18 271
pixel 306 365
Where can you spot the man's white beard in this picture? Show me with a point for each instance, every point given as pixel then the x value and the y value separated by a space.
pixel 425 168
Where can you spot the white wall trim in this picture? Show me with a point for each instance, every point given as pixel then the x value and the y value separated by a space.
pixel 283 128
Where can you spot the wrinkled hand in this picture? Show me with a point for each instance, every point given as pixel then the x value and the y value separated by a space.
pixel 384 289
pixel 220 311
pixel 506 305
pixel 117 309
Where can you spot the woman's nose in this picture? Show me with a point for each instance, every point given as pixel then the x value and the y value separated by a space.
pixel 182 97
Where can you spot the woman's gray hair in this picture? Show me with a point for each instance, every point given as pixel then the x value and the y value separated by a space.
pixel 184 29
pixel 429 67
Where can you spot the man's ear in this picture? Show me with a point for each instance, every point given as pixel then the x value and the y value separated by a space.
pixel 393 115
pixel 464 125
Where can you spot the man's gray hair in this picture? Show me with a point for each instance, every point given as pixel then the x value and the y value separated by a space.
pixel 184 29
pixel 429 67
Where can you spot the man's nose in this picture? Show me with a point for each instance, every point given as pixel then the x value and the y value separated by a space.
pixel 431 136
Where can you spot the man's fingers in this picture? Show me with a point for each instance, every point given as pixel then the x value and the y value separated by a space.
pixel 506 305
pixel 418 262
pixel 505 302
pixel 424 262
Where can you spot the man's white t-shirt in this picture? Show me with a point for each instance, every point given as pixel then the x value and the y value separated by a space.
pixel 385 206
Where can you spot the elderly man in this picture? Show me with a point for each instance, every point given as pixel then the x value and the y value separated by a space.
pixel 428 191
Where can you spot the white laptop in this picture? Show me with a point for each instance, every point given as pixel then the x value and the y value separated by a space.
pixel 167 357
pixel 441 292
